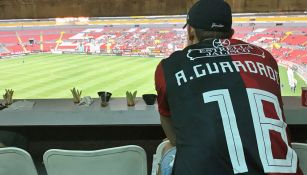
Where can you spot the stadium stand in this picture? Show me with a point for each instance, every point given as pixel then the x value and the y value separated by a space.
pixel 287 43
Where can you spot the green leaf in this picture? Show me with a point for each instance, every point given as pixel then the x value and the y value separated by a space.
pixel 134 94
pixel 127 94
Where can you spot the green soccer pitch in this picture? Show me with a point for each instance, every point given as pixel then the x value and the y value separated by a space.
pixel 52 76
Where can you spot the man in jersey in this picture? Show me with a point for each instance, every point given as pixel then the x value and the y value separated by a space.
pixel 220 103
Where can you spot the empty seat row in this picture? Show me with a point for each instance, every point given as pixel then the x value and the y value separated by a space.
pixel 124 160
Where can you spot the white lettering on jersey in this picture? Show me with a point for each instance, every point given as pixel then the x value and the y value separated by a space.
pixel 223 48
pixel 199 73
pixel 207 69
pixel 180 76
pixel 216 69
pixel 262 69
pixel 225 65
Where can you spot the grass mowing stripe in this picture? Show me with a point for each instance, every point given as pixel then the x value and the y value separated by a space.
pixel 29 60
pixel 53 84
pixel 148 86
pixel 59 85
pixel 56 59
pixel 36 76
pixel 112 81
pixel 96 84
pixel 36 71
pixel 70 75
pixel 63 88
pixel 54 75
pixel 132 85
pixel 62 68
pixel 133 76
pixel 132 80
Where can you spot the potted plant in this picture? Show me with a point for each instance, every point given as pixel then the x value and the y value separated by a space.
pixel 2 106
pixel 149 99
pixel 76 95
pixel 104 97
pixel 131 98
pixel 8 97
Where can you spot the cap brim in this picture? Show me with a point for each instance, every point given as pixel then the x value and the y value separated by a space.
pixel 185 25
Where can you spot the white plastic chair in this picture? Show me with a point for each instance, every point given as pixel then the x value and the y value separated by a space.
pixel 16 161
pixel 157 157
pixel 125 160
pixel 301 150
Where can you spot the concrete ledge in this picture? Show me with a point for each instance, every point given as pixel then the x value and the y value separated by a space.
pixel 63 112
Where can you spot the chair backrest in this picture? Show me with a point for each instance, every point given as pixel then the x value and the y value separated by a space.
pixel 301 151
pixel 125 160
pixel 16 161
pixel 157 157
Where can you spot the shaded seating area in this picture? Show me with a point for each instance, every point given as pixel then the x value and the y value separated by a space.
pixel 122 160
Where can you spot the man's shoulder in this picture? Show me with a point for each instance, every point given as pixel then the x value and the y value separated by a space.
pixel 254 48
pixel 175 55
pixel 236 41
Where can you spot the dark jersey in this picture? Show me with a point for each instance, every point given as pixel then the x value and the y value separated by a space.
pixel 225 103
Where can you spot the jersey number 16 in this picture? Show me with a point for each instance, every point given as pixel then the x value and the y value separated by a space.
pixel 262 125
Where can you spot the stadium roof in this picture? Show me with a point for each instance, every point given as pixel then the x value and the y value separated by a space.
pixel 33 9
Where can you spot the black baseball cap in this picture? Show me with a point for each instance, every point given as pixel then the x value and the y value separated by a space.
pixel 210 15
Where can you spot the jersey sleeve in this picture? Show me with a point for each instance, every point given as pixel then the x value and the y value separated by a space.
pixel 161 91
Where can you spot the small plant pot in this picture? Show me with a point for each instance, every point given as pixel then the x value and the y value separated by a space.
pixel 2 106
pixel 75 102
pixel 130 97
pixel 130 103
pixel 76 94
pixel 149 99
pixel 104 104
pixel 104 98
pixel 8 103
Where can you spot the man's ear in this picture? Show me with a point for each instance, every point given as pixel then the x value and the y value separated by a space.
pixel 191 33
